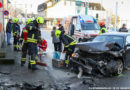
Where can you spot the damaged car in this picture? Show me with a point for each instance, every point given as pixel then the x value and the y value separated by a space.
pixel 107 55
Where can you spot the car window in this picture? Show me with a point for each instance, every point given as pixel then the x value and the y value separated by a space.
pixel 90 26
pixel 128 39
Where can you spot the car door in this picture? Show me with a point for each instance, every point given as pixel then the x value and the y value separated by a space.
pixel 127 54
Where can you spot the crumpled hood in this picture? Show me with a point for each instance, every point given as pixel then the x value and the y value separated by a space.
pixel 96 46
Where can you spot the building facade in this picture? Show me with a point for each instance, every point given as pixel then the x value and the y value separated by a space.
pixel 2 22
pixel 66 8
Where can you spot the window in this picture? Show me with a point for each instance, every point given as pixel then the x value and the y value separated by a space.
pixel 128 39
pixel 90 26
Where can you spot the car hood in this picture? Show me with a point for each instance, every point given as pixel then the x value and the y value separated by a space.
pixel 98 46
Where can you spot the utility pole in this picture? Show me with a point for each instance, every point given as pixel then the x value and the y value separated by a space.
pixel 116 8
pixel 26 12
pixel 101 9
pixel 15 8
pixel 86 7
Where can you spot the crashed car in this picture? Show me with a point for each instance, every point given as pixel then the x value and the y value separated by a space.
pixel 107 54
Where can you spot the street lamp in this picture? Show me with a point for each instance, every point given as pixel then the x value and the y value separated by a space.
pixel 116 13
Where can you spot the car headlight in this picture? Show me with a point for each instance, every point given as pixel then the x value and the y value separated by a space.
pixel 75 55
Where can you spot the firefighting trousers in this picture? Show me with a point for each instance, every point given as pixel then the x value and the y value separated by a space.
pixel 32 51
pixel 16 43
pixel 24 52
pixel 69 52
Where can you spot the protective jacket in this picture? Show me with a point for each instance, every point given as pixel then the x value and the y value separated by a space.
pixel 34 34
pixel 16 29
pixel 102 30
pixel 68 40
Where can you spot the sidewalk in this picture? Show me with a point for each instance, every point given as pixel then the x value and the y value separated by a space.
pixel 15 75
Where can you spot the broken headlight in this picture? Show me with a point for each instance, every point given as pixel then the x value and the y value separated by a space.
pixel 75 55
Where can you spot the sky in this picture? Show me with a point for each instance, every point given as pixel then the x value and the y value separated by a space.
pixel 123 6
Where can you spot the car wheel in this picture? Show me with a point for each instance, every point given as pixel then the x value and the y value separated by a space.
pixel 120 67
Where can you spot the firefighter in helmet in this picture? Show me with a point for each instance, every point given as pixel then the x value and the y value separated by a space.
pixel 69 44
pixel 103 27
pixel 16 33
pixel 23 40
pixel 33 38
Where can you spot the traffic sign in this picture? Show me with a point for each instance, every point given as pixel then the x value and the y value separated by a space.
pixel 78 3
pixel 6 13
pixel 0 5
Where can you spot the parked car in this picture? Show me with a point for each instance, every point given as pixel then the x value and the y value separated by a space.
pixel 107 54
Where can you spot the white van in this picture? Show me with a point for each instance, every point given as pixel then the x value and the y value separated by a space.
pixel 82 28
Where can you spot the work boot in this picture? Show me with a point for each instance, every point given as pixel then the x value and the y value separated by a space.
pixel 15 49
pixel 22 64
pixel 66 63
pixel 29 66
pixel 34 67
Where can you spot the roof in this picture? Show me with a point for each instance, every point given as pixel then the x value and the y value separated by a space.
pixel 117 33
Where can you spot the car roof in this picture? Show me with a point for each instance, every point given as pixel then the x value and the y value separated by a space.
pixel 117 34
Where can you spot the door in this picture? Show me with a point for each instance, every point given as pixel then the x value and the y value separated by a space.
pixel 127 54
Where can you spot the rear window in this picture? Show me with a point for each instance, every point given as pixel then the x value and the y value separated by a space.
pixel 90 26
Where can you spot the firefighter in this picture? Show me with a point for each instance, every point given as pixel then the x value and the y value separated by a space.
pixel 16 33
pixel 69 44
pixel 33 38
pixel 23 40
pixel 103 28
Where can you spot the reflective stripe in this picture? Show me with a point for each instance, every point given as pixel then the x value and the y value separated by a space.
pixel 14 34
pixel 25 30
pixel 17 32
pixel 36 58
pixel 31 40
pixel 17 46
pixel 32 62
pixel 21 38
pixel 32 36
pixel 23 59
pixel 66 61
pixel 100 32
pixel 30 28
pixel 25 41
pixel 72 43
pixel 57 33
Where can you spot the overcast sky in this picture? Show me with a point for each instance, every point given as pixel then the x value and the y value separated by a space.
pixel 123 6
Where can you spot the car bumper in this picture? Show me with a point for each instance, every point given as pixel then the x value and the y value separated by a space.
pixel 75 64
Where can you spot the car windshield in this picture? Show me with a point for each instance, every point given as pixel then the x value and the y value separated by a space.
pixel 90 26
pixel 109 38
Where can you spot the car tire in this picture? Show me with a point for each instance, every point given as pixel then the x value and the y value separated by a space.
pixel 120 67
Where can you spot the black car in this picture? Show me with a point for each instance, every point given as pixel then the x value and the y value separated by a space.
pixel 107 54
